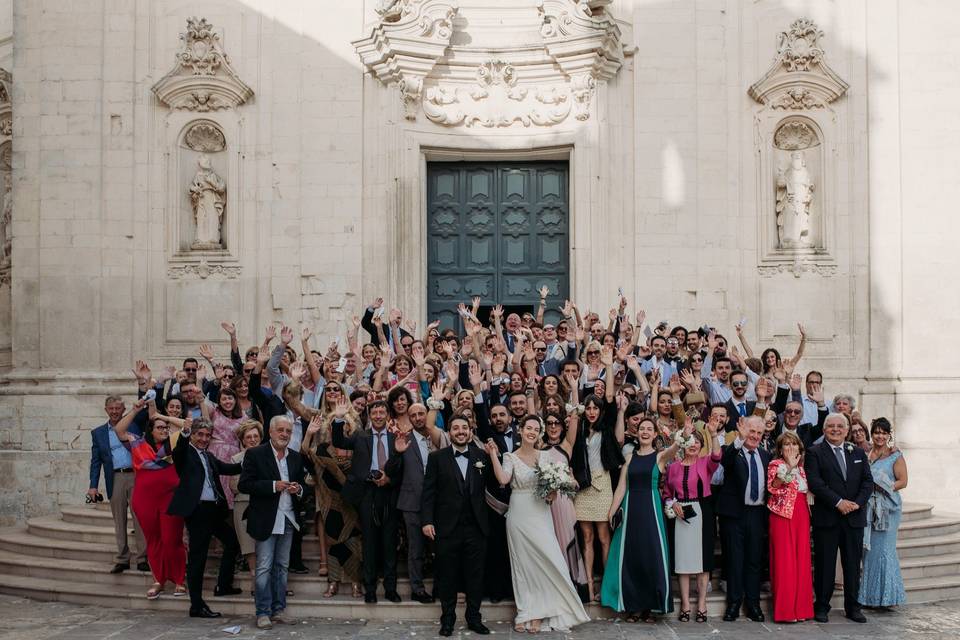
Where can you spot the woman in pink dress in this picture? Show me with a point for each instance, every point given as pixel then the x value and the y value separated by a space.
pixel 557 447
pixel 226 417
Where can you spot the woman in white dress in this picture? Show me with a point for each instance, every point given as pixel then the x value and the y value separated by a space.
pixel 545 596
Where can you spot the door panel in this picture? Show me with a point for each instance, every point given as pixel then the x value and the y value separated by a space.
pixel 499 231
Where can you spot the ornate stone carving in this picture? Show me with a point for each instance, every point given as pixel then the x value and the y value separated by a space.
pixel 205 137
pixel 798 267
pixel 6 126
pixel 202 78
pixel 583 87
pixel 208 196
pixel 202 270
pixel 496 101
pixel 799 77
pixel 6 178
pixel 795 135
pixel 405 44
pixel 581 36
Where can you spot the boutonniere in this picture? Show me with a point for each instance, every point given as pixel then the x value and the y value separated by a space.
pixel 479 465
pixel 848 447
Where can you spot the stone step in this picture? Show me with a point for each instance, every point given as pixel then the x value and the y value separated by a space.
pixel 929 546
pixel 913 511
pixel 939 525
pixel 930 566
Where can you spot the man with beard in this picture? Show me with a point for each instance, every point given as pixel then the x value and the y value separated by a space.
pixel 455 517
pixel 410 466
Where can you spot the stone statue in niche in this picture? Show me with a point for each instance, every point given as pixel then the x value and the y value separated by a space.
pixel 208 196
pixel 794 195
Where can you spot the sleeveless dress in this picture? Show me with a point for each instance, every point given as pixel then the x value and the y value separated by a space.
pixel 637 577
pixel 881 584
pixel 541 579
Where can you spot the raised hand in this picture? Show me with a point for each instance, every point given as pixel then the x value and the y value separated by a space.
pixel 816 393
pixel 713 424
pixel 606 355
pixel 762 390
pixel 566 309
pixel 263 357
pixel 316 422
pixel 230 328
pixel 286 335
pixel 376 304
pixel 612 314
pixel 544 292
pixel 402 442
pixel 355 322
pixel 780 374
pixel 297 369
pixel 497 312
pixel 622 402
pixel 202 372
pixel 167 373
pixel 412 326
pixel 342 407
pixel 218 370
pixel 206 352
pixel 676 388
pixel 306 334
pixel 632 362
pixel 688 379
pixel 499 365
pixel 416 352
pixel 491 448
pixel 712 341
pixel 436 391
pixel 433 325
pixel 641 318
pixel 270 333
pixel 142 371
pixel 476 376
pixel 796 380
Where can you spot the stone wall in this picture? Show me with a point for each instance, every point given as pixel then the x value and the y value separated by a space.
pixel 672 188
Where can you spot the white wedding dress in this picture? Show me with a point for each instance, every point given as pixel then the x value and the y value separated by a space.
pixel 541 580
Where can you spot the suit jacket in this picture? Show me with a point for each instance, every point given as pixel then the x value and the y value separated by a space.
pixel 361 443
pixel 367 323
pixel 808 433
pixel 409 467
pixel 736 476
pixel 444 490
pixel 260 471
pixel 777 406
pixel 190 469
pixel 100 455
pixel 828 486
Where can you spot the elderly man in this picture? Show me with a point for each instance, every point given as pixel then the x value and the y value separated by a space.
pixel 273 476
pixel 110 454
pixel 200 500
pixel 741 504
pixel 840 480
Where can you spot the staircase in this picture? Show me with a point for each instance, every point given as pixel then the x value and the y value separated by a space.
pixel 66 559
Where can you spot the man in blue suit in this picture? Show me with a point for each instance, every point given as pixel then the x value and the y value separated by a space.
pixel 109 454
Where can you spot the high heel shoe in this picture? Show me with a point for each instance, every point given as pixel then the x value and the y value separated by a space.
pixel 332 589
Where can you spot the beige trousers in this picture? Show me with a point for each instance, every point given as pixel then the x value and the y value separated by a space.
pixel 120 507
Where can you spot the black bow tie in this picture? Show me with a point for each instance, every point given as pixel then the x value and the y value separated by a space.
pixel 461 454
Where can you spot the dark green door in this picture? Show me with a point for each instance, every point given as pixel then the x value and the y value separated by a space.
pixel 499 231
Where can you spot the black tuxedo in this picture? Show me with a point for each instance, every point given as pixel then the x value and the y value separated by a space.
pixel 499 583
pixel 833 531
pixel 456 508
pixel 260 471
pixel 367 323
pixel 742 526
pixel 376 506
pixel 204 519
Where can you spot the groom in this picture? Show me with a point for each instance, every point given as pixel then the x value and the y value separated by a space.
pixel 454 515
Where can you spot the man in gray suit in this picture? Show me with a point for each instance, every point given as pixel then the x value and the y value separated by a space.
pixel 424 439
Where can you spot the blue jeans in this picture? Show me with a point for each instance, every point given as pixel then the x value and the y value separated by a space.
pixel 273 557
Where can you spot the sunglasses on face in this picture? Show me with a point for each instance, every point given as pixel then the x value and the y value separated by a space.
pixel 739 384
pixel 793 412
pixel 550 422
pixel 190 370
pixel 593 353
pixel 697 360
pixel 539 348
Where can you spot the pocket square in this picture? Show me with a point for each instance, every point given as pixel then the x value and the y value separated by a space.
pixel 857 461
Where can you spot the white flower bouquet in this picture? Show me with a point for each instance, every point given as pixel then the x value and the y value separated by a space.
pixel 554 477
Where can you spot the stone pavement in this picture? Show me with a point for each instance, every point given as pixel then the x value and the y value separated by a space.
pixel 25 619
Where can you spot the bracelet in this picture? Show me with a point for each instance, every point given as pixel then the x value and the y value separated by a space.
pixel 435 404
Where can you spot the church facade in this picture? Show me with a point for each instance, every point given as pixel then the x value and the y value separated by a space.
pixel 169 165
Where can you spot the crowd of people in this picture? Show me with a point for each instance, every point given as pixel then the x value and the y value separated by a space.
pixel 555 464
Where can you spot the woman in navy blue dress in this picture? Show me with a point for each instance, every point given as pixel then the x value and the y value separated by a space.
pixel 637 578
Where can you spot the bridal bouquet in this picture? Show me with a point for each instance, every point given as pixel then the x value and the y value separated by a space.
pixel 554 476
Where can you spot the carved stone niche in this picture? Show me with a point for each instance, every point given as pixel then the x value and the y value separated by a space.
pixel 204 205
pixel 797 134
pixel 6 178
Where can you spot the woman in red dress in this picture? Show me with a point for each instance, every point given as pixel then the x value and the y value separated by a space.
pixel 153 487
pixel 791 578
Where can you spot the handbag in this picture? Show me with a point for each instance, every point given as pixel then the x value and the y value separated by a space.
pixel 617 519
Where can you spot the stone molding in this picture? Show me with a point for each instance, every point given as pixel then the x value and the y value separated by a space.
pixel 202 270
pixel 798 267
pixel 408 40
pixel 202 79
pixel 412 36
pixel 799 77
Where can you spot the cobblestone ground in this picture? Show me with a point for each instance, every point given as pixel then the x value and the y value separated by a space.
pixel 30 620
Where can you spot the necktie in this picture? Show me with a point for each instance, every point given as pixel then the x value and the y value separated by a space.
pixel 754 478
pixel 460 454
pixel 381 451
pixel 208 476
pixel 841 460
pixel 742 408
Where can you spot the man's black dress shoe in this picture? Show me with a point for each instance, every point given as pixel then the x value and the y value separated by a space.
pixel 226 591
pixel 301 569
pixel 370 597
pixel 446 630
pixel 856 616
pixel 422 597
pixel 755 614
pixel 143 566
pixel 204 612
pixel 392 596
pixel 478 628
pixel 495 600
pixel 821 617
pixel 732 613
pixel 120 567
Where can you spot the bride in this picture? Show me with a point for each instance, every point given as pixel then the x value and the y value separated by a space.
pixel 546 598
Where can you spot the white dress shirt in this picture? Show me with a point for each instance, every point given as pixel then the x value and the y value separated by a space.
pixel 757 468
pixel 374 457
pixel 424 443
pixel 461 461
pixel 285 508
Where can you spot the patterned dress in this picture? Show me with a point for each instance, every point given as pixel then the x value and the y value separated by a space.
pixel 637 577
pixel 224 444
